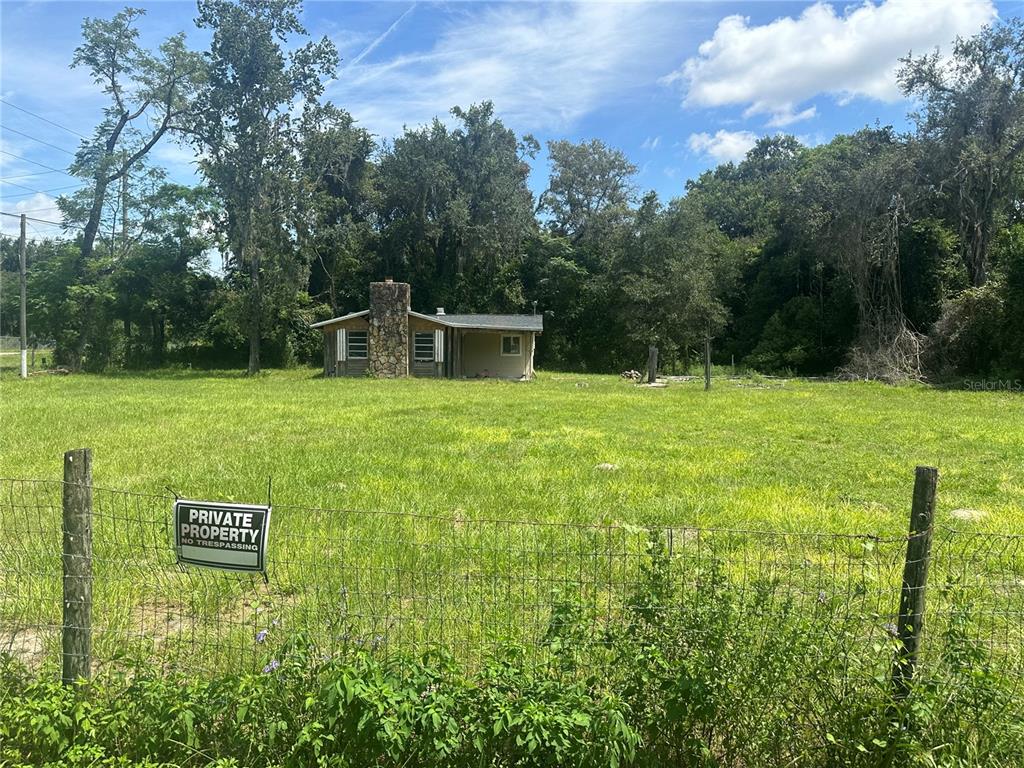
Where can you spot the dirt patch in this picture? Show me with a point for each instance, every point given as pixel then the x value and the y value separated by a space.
pixel 27 645
pixel 968 515
pixel 163 620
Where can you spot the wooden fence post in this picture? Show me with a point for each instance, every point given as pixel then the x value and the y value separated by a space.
pixel 915 579
pixel 707 359
pixel 76 638
pixel 652 364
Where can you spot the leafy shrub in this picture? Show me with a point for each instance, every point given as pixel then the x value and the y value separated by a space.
pixel 790 339
pixel 307 710
pixel 965 338
pixel 696 670
pixel 1010 252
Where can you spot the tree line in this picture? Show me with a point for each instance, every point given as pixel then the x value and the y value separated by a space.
pixel 879 254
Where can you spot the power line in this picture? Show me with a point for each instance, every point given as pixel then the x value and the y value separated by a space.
pixel 41 165
pixel 40 221
pixel 18 216
pixel 33 138
pixel 22 186
pixel 33 228
pixel 48 191
pixel 45 120
pixel 35 191
pixel 27 175
pixel 39 192
pixel 36 210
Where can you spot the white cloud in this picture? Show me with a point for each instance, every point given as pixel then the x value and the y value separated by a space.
pixel 39 206
pixel 543 66
pixel 723 146
pixel 651 142
pixel 772 68
pixel 788 117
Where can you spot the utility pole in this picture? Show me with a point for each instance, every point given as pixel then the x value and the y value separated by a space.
pixel 24 299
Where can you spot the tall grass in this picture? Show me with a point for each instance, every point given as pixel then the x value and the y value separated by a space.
pixel 661 571
pixel 694 673
pixel 804 456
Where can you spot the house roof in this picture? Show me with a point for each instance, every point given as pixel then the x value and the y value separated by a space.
pixel 534 323
pixel 349 316
pixel 494 322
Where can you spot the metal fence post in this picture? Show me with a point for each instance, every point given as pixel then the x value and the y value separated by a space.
pixel 76 636
pixel 915 579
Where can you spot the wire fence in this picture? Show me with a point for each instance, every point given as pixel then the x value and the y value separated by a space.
pixel 401 582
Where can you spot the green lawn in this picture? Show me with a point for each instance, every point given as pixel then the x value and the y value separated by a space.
pixel 834 457
pixel 458 457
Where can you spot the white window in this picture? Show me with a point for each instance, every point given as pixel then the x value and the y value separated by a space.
pixel 511 345
pixel 356 345
pixel 423 346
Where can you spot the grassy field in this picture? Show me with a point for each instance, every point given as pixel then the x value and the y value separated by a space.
pixel 764 648
pixel 428 470
pixel 789 455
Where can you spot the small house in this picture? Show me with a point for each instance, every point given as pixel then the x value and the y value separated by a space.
pixel 389 340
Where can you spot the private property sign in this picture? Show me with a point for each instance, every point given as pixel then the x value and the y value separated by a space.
pixel 219 535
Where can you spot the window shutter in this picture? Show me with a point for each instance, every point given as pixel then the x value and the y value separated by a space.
pixel 341 343
pixel 438 346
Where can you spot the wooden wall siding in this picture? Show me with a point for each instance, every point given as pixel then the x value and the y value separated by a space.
pixel 427 370
pixel 455 348
pixel 330 351
pixel 352 368
pixel 349 367
pixel 419 324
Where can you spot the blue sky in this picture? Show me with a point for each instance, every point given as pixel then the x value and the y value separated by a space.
pixel 678 86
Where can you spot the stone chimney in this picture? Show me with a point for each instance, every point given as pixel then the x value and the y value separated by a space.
pixel 389 329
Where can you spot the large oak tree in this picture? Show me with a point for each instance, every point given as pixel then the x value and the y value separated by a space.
pixel 243 130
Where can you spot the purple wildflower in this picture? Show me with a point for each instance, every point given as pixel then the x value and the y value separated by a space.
pixel 274 664
pixel 261 636
pixel 892 629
